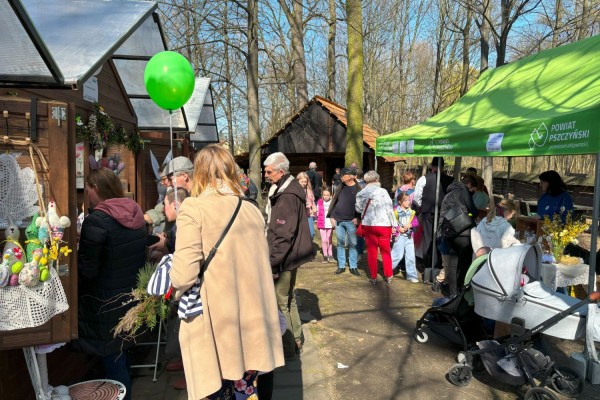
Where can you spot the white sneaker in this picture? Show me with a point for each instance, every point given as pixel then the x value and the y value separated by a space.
pixel 413 280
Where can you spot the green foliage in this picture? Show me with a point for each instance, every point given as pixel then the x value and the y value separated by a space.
pixel 100 131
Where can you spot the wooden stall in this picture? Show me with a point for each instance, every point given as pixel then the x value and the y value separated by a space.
pixel 46 118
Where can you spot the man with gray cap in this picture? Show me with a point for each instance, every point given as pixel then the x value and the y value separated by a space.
pixel 315 179
pixel 155 217
pixel 345 218
pixel 181 170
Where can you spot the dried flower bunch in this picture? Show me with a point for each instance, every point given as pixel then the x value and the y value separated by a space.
pixel 148 310
pixel 559 234
pixel 100 131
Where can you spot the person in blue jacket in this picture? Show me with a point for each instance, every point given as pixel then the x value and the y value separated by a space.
pixel 555 198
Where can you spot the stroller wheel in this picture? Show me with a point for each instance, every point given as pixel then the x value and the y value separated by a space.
pixel 460 374
pixel 421 337
pixel 540 393
pixel 566 382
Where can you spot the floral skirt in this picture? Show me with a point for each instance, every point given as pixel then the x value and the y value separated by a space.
pixel 241 389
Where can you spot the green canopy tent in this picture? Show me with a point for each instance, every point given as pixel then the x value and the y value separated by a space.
pixel 544 104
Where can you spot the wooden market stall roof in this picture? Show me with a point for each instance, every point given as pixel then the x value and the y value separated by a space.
pixel 338 112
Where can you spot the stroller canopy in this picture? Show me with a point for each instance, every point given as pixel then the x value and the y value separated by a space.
pixel 501 273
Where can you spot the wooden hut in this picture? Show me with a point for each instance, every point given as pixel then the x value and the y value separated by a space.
pixel 59 66
pixel 318 133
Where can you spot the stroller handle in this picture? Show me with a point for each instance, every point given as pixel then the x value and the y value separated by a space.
pixel 594 296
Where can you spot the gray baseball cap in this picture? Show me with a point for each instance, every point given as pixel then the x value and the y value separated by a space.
pixel 180 164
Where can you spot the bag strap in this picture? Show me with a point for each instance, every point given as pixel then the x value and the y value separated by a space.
pixel 365 211
pixel 213 251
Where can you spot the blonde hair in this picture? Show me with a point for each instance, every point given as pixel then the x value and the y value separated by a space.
pixel 214 167
pixel 505 205
pixel 408 177
pixel 304 175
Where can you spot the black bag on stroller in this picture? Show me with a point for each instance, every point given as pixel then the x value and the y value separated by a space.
pixel 453 318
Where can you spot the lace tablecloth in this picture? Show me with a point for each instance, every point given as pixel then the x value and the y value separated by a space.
pixel 556 276
pixel 26 307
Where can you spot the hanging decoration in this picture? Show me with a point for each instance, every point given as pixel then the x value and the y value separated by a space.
pixel 100 132
pixel 18 194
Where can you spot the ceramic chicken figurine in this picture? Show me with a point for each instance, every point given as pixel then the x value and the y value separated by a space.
pixel 57 224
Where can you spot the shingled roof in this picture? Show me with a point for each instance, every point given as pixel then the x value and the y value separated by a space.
pixel 339 113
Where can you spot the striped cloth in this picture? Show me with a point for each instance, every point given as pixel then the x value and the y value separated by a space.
pixel 190 303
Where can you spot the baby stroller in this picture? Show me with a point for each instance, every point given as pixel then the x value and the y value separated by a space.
pixel 507 289
pixel 455 319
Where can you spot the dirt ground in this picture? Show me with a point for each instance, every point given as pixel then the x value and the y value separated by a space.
pixel 369 328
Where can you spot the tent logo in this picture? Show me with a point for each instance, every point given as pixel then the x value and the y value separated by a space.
pixel 538 136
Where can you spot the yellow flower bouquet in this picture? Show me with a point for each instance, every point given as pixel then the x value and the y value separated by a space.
pixel 559 234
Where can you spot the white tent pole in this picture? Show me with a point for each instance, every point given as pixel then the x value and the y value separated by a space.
pixel 595 212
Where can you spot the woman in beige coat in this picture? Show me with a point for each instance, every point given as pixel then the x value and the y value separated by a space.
pixel 238 330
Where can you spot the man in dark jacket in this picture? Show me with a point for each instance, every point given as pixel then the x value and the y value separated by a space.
pixel 425 204
pixel 344 218
pixel 290 244
pixel 316 180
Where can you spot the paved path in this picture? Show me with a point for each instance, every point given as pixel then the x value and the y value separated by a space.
pixel 303 378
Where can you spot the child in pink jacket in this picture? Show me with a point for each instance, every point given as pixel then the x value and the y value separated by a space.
pixel 324 225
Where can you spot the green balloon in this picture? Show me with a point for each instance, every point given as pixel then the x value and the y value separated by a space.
pixel 169 80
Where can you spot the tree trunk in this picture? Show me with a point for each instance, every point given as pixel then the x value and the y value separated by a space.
pixel 254 171
pixel 294 18
pixel 582 29
pixel 484 40
pixel 502 41
pixel 331 51
pixel 556 25
pixel 439 58
pixel 228 97
pixel 354 97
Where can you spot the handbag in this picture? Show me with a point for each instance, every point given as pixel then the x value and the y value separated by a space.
pixel 359 228
pixel 160 283
pixel 455 222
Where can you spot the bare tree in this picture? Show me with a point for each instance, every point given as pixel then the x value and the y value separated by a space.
pixel 254 141
pixel 332 22
pixel 294 16
pixel 354 95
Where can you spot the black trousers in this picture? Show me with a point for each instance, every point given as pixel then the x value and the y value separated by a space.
pixel 463 249
pixel 428 239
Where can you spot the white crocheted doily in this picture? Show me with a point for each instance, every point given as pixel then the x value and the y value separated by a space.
pixel 18 195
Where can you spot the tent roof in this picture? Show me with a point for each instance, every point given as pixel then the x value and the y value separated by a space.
pixel 544 104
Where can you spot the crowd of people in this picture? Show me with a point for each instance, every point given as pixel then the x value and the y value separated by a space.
pixel 237 319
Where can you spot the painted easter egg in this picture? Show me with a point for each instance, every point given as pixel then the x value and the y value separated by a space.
pixel 17 267
pixel 44 274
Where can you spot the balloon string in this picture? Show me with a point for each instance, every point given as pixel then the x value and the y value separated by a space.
pixel 174 177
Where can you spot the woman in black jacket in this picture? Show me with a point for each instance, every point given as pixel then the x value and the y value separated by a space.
pixel 112 249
